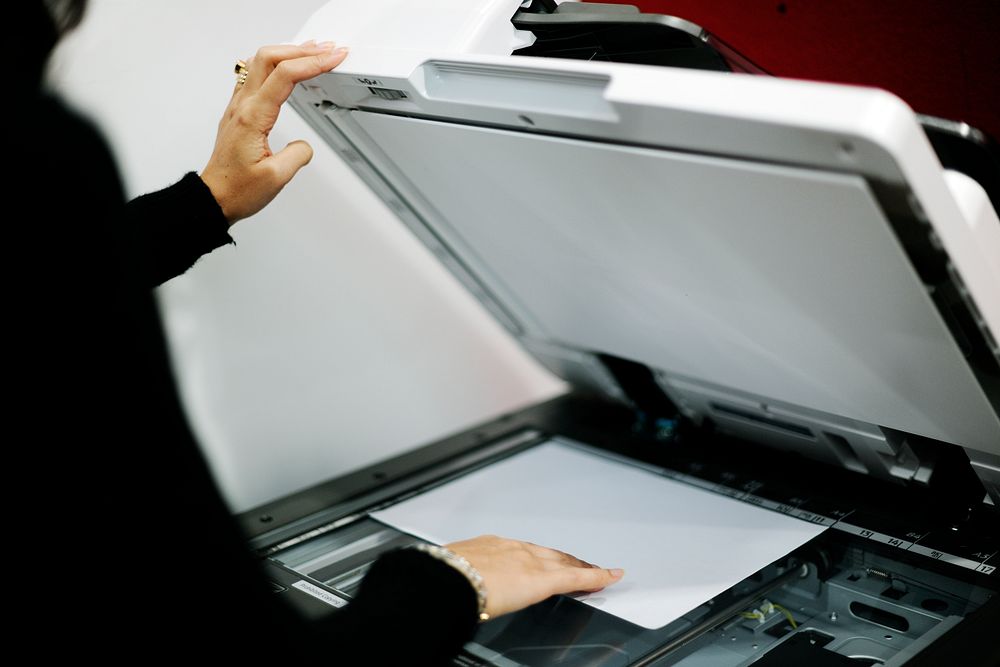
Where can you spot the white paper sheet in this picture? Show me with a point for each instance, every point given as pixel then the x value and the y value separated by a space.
pixel 679 545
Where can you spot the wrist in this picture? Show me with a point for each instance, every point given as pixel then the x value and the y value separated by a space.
pixel 465 568
pixel 216 186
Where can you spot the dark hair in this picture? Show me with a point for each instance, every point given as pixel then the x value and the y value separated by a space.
pixel 44 22
pixel 66 14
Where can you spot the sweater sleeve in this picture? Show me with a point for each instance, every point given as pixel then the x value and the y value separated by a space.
pixel 411 609
pixel 85 321
pixel 169 230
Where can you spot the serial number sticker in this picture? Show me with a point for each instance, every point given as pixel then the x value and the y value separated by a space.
pixel 387 93
pixel 320 593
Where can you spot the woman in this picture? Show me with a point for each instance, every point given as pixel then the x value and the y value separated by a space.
pixel 126 551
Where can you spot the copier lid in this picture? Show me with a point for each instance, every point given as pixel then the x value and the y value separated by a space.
pixel 742 232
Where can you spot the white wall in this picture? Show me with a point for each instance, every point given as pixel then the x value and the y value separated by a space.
pixel 328 337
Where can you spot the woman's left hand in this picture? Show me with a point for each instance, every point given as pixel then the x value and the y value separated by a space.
pixel 517 574
pixel 243 174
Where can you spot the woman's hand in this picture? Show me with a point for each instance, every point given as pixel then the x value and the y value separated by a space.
pixel 519 574
pixel 243 174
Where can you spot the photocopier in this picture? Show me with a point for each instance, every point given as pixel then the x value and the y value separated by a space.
pixel 784 292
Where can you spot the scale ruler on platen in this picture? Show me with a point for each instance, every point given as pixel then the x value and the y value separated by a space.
pixel 977 552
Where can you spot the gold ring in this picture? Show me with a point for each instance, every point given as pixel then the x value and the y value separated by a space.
pixel 242 71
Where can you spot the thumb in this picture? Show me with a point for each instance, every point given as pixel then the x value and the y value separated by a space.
pixel 290 159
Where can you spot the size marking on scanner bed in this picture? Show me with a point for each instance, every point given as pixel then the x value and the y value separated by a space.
pixel 320 593
pixel 747 497
pixel 967 563
pixel 872 535
pixel 792 508
pixel 913 547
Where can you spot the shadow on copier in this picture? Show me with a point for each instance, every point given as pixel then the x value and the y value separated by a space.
pixel 768 289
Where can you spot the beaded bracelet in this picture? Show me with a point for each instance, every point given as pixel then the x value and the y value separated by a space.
pixel 463 566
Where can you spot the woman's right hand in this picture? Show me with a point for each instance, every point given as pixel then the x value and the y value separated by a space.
pixel 519 574
pixel 243 173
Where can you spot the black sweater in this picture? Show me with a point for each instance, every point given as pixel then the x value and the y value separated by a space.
pixel 119 545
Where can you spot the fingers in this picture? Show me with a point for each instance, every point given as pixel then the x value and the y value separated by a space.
pixel 287 162
pixel 573 561
pixel 282 79
pixel 572 574
pixel 268 57
pixel 554 554
pixel 242 173
pixel 570 580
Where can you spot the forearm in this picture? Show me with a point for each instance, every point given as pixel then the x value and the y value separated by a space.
pixel 168 230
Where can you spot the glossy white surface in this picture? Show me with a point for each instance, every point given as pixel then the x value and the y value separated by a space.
pixel 860 129
pixel 788 283
pixel 982 245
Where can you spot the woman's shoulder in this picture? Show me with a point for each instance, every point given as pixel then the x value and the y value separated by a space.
pixel 61 156
pixel 47 120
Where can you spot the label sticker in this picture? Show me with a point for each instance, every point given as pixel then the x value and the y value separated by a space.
pixel 320 593
pixel 388 93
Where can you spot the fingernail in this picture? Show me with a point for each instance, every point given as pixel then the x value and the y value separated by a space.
pixel 326 46
pixel 617 573
pixel 311 42
pixel 339 51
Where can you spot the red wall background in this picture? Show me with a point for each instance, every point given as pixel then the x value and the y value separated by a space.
pixel 942 58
